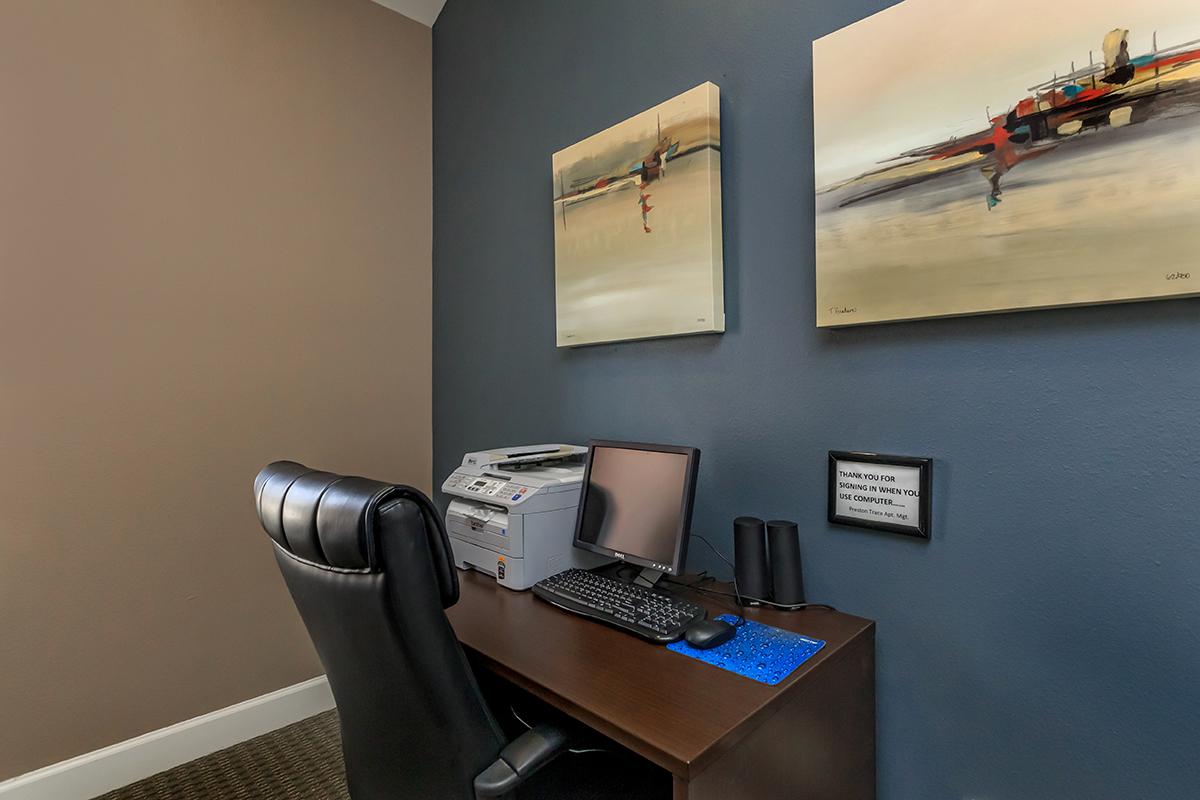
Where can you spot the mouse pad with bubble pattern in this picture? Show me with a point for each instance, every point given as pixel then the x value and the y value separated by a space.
pixel 760 652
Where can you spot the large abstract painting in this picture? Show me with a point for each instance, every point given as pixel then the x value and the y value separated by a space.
pixel 981 156
pixel 637 226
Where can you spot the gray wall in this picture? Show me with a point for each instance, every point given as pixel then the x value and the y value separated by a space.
pixel 1045 643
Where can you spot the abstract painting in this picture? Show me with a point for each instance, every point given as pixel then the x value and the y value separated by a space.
pixel 979 157
pixel 637 226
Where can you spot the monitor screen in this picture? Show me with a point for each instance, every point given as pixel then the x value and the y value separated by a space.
pixel 636 503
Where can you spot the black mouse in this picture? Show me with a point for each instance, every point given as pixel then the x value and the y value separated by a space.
pixel 708 633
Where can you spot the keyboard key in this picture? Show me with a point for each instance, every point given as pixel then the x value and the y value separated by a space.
pixel 649 613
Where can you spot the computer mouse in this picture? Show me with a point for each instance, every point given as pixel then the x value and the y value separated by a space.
pixel 708 633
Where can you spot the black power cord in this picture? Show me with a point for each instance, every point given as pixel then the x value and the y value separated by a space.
pixel 737 594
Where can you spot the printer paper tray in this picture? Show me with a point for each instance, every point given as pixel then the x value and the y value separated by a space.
pixel 482 525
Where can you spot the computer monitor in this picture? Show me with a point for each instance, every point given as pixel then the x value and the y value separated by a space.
pixel 637 503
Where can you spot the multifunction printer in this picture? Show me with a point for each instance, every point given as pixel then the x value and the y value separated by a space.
pixel 512 512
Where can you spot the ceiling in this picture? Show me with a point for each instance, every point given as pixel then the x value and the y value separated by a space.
pixel 423 11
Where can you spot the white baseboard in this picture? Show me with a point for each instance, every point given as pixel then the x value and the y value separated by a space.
pixel 101 771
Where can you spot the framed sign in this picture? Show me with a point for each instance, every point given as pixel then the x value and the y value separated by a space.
pixel 885 493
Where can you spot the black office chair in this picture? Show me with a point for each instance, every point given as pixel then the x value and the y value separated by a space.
pixel 370 568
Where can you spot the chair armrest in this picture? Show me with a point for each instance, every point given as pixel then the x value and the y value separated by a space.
pixel 519 759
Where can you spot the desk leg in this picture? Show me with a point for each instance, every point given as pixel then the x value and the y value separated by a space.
pixel 819 746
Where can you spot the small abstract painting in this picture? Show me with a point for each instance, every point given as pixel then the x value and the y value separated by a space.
pixel 980 157
pixel 637 226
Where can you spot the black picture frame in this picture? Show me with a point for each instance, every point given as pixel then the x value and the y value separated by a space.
pixel 923 528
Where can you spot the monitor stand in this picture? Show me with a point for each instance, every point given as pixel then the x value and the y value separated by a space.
pixel 648 577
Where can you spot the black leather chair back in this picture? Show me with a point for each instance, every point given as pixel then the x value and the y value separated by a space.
pixel 370 569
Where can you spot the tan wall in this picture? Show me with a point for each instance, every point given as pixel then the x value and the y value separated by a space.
pixel 215 242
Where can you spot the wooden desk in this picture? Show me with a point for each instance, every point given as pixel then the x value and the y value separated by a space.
pixel 720 735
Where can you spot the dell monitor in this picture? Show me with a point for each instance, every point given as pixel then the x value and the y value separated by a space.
pixel 636 504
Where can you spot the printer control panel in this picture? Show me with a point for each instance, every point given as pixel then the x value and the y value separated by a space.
pixel 487 487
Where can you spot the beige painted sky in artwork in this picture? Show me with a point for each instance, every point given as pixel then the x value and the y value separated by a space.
pixel 696 102
pixel 925 70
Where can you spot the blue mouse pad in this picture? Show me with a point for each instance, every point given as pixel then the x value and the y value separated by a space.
pixel 757 651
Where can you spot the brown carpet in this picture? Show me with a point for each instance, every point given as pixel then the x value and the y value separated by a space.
pixel 304 762
pixel 299 762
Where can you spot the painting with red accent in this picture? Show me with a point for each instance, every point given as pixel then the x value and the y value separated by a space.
pixel 637 226
pixel 980 157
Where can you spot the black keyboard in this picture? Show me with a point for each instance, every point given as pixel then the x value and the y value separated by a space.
pixel 648 613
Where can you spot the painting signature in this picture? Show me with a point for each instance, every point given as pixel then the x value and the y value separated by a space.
pixel 843 310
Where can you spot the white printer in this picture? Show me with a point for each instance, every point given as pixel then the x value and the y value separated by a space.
pixel 512 512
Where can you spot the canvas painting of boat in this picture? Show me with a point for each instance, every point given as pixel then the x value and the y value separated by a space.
pixel 637 226
pixel 974 158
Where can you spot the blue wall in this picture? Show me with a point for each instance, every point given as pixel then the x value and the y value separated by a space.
pixel 1046 642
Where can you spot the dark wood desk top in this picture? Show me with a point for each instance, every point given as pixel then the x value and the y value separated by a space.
pixel 676 711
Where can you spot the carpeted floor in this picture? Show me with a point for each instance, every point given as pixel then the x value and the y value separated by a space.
pixel 304 762
pixel 299 762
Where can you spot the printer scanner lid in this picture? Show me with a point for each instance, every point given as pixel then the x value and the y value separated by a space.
pixel 551 463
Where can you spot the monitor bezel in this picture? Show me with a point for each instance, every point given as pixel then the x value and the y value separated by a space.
pixel 686 504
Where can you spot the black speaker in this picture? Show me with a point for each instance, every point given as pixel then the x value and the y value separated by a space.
pixel 750 558
pixel 787 576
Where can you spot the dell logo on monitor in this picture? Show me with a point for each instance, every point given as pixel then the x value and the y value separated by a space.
pixel 619 555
